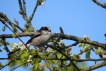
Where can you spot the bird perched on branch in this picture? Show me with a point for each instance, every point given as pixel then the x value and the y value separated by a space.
pixel 41 38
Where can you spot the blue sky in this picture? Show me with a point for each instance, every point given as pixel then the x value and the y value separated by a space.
pixel 76 17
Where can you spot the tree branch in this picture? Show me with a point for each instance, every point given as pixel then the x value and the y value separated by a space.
pixel 63 36
pixel 82 51
pixel 18 34
pixel 24 6
pixel 74 44
pixel 3 16
pixel 23 12
pixel 79 60
pixel 80 40
pixel 74 65
pixel 64 59
pixel 20 65
pixel 14 58
pixel 31 17
pixel 94 66
pixel 4 58
pixel 100 4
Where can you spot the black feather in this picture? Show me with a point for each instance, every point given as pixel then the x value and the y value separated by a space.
pixel 45 28
pixel 30 40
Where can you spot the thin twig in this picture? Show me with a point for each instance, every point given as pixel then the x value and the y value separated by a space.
pixel 100 55
pixel 100 4
pixel 22 12
pixel 20 65
pixel 24 6
pixel 4 58
pixel 32 15
pixel 20 5
pixel 80 40
pixel 105 35
pixel 79 60
pixel 93 67
pixel 65 56
pixel 14 51
pixel 14 58
pixel 17 37
pixel 82 51
pixel 5 45
pixel 74 44
pixel 61 30
pixel 9 22
pixel 47 64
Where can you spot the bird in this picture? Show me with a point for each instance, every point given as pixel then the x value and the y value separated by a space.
pixel 41 38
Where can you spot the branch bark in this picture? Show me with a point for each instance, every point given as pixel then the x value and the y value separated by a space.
pixel 94 66
pixel 100 4
pixel 63 36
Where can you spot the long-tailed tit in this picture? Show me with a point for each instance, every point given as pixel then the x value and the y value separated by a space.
pixel 41 38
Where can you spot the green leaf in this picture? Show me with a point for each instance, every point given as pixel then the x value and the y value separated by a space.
pixel 59 55
pixel 51 55
pixel 13 35
pixel 13 26
pixel 0 64
pixel 25 55
pixel 0 50
pixel 3 21
pixel 82 64
pixel 1 44
pixel 88 54
pixel 36 63
pixel 3 29
pixel 71 68
pixel 82 44
pixel 12 64
pixel 33 52
pixel 19 62
pixel 104 52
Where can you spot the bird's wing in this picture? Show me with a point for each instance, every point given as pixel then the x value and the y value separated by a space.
pixel 37 35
